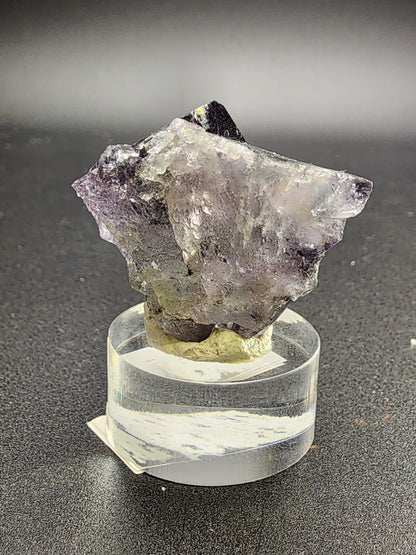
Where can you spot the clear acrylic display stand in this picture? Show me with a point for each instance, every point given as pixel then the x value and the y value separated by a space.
pixel 209 423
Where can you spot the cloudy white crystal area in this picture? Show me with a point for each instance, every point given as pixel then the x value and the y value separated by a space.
pixel 216 231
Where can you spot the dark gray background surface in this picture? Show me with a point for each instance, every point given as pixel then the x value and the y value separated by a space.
pixel 63 491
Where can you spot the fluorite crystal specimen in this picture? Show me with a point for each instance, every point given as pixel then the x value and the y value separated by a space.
pixel 217 232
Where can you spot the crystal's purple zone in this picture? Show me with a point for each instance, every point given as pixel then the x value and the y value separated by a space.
pixel 216 231
pixel 214 118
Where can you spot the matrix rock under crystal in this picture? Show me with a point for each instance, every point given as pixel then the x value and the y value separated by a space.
pixel 217 232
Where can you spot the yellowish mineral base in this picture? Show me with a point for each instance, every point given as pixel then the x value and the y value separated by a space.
pixel 221 346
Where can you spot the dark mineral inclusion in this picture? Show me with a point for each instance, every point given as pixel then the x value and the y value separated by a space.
pixel 217 232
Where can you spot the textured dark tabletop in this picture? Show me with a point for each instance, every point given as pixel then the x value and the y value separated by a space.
pixel 63 491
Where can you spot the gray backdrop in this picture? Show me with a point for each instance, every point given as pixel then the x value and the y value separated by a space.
pixel 279 66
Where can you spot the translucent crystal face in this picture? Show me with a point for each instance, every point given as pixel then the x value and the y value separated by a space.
pixel 216 231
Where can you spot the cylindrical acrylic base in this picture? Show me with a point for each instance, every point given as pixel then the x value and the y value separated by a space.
pixel 211 423
pixel 239 467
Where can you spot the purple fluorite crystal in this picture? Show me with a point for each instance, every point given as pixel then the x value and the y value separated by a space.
pixel 217 232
